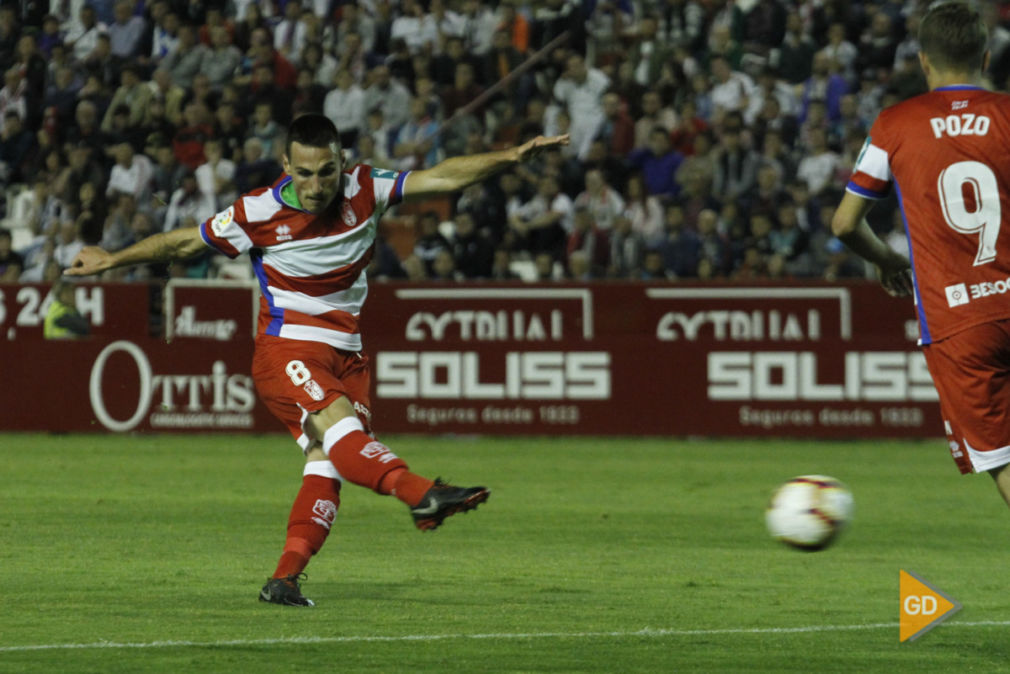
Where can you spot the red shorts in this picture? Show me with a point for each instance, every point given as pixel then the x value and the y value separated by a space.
pixel 295 378
pixel 971 372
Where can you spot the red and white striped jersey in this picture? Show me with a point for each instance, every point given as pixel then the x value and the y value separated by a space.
pixel 947 153
pixel 310 267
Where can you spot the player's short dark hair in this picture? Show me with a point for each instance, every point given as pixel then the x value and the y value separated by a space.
pixel 954 36
pixel 313 130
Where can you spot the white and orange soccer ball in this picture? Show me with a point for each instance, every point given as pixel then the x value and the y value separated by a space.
pixel 809 511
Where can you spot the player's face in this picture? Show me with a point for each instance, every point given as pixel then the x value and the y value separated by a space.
pixel 316 174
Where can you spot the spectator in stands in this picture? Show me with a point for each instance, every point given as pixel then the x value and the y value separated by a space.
pixel 308 97
pixel 188 202
pixel 654 113
pixel 229 129
pixel 16 145
pixel 68 243
pixel 126 32
pixel 658 163
pixel 132 174
pixel 580 91
pixel 13 95
pixel 184 63
pixel 797 51
pixel 644 211
pixel 116 231
pixel 589 240
pixel 501 267
pixel 290 33
pixel 221 60
pixel 83 36
pixel 878 45
pixel 167 171
pixel 627 249
pixel 133 93
pixel 479 24
pixel 11 262
pixel 416 144
pixel 389 95
pixel 464 90
pixel 732 88
pixel 81 169
pixel 187 144
pixel 61 96
pixel 618 129
pixel 499 63
pixel 256 169
pixel 429 241
pixel 841 51
pixel 542 224
pixel 320 64
pixel 680 245
pixel 161 37
pixel 265 128
pixel 823 85
pixel 648 51
pixel 603 203
pixel 216 177
pixel 820 164
pixel 713 245
pixel 654 268
pixel 735 166
pixel 790 241
pixel 354 20
pixel 247 23
pixel 471 248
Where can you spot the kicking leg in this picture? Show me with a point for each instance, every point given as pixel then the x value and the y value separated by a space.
pixel 362 460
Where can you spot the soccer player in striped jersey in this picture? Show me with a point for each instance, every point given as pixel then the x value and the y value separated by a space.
pixel 947 155
pixel 310 237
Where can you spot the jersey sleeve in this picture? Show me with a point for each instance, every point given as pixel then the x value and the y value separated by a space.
pixel 871 177
pixel 226 232
pixel 387 186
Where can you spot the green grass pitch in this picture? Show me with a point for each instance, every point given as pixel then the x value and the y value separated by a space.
pixel 146 553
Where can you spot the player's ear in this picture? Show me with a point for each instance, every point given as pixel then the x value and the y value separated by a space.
pixel 924 64
pixel 986 57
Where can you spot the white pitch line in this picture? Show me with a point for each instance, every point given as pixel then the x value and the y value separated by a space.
pixel 647 632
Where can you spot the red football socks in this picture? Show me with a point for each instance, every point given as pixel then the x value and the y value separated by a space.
pixel 361 459
pixel 312 514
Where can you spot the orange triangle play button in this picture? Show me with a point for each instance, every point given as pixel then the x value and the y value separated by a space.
pixel 923 607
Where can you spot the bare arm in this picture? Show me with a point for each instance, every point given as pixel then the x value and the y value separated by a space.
pixel 455 173
pixel 178 244
pixel 850 226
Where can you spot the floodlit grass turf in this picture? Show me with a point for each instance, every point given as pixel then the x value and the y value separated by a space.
pixel 584 542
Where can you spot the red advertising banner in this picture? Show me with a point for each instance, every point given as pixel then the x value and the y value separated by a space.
pixel 818 361
pixel 728 360
pixel 114 310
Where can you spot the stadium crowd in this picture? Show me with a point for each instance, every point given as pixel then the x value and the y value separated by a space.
pixel 710 138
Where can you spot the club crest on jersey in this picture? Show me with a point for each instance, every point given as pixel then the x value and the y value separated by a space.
pixel 222 220
pixel 314 390
pixel 283 233
pixel 349 216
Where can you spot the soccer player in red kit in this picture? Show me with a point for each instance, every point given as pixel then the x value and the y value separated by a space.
pixel 310 237
pixel 947 154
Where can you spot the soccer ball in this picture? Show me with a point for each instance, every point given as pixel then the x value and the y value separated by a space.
pixel 809 511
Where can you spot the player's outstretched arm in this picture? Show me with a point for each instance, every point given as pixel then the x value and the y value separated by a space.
pixel 851 228
pixel 455 173
pixel 178 244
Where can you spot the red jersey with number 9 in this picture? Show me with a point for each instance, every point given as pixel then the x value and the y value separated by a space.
pixel 947 154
